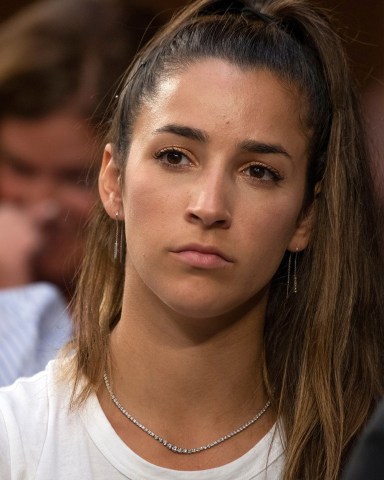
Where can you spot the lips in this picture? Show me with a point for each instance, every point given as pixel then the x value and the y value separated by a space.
pixel 202 256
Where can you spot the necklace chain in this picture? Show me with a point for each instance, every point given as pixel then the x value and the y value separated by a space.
pixel 171 446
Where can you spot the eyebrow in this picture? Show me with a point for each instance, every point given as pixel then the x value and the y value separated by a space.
pixel 183 131
pixel 251 146
pixel 254 146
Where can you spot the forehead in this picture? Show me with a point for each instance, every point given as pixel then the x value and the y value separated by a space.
pixel 221 97
pixel 56 141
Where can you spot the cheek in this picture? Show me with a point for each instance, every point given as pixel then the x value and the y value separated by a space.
pixel 280 222
pixel 146 206
pixel 270 229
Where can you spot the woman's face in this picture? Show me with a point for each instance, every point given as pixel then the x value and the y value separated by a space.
pixel 213 188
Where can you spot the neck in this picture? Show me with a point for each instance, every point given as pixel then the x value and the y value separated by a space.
pixel 190 380
pixel 169 362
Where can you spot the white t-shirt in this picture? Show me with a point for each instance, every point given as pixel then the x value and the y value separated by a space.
pixel 41 440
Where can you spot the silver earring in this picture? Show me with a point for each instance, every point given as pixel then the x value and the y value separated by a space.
pixel 294 272
pixel 289 273
pixel 118 245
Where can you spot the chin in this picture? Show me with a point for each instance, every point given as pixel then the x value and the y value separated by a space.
pixel 203 309
pixel 219 306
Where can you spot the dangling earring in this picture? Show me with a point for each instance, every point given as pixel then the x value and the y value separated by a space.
pixel 294 272
pixel 289 273
pixel 118 245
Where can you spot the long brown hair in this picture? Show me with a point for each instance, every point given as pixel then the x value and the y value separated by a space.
pixel 324 346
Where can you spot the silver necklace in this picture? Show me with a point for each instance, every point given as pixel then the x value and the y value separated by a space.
pixel 171 446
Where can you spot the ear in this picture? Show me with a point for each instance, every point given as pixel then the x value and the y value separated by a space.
pixel 302 234
pixel 110 184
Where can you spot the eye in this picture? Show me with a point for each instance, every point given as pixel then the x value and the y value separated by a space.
pixel 262 173
pixel 172 157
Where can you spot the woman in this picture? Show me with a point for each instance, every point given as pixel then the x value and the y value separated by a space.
pixel 230 300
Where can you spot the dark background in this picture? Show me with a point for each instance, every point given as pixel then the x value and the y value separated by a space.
pixel 362 23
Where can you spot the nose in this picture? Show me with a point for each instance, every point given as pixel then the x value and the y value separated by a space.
pixel 209 202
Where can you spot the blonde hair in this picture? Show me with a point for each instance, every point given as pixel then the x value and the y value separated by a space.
pixel 324 346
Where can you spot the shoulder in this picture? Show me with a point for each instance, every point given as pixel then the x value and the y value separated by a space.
pixel 37 394
pixel 25 409
pixel 18 400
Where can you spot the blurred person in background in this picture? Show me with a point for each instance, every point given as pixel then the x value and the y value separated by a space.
pixel 60 63
pixel 34 324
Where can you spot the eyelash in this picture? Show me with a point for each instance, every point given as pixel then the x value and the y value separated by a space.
pixel 276 177
pixel 161 156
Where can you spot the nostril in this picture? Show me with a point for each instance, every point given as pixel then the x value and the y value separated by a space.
pixel 209 218
pixel 209 205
